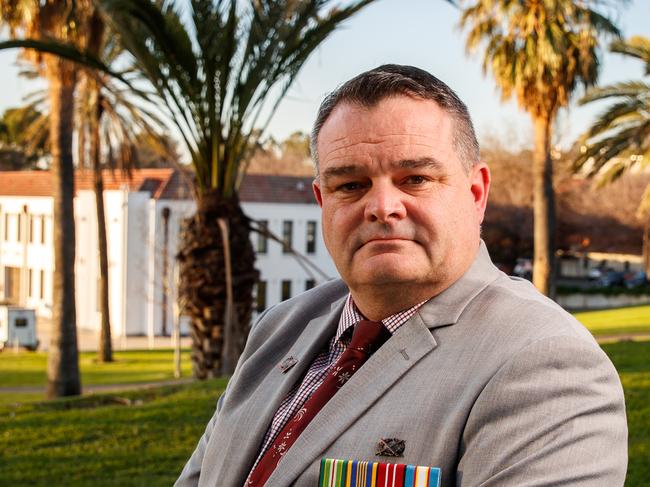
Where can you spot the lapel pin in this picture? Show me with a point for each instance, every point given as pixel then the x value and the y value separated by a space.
pixel 287 363
pixel 390 447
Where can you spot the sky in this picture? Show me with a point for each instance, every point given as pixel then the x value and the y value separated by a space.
pixel 422 33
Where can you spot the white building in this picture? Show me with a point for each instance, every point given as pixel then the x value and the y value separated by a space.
pixel 135 209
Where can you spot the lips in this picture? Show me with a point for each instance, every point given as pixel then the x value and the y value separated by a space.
pixel 388 239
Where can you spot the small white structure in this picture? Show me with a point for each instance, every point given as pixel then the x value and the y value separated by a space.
pixel 17 327
pixel 143 219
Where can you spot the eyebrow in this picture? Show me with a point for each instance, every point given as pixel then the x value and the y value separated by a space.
pixel 422 162
pixel 351 169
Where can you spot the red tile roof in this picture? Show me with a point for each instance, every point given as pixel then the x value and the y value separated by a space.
pixel 39 183
pixel 162 184
pixel 263 188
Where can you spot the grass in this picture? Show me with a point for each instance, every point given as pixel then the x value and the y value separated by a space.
pixel 619 321
pixel 135 439
pixel 144 437
pixel 632 360
pixel 28 369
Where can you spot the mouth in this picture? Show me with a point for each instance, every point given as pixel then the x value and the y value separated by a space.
pixel 384 240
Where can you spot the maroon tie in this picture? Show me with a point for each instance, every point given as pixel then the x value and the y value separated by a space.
pixel 368 336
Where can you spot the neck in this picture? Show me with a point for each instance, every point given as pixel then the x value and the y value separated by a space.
pixel 378 304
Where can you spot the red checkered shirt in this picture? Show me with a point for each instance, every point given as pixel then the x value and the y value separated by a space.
pixel 321 365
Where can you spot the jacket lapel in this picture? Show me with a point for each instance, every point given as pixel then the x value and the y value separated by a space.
pixel 401 352
pixel 252 417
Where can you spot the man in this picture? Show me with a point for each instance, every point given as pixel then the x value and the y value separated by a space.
pixel 479 374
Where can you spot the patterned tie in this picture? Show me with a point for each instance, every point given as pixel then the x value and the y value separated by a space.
pixel 368 336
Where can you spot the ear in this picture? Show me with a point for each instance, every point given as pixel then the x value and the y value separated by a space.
pixel 316 187
pixel 480 179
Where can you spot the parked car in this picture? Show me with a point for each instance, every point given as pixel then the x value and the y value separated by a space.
pixel 523 268
pixel 611 278
pixel 594 273
pixel 636 279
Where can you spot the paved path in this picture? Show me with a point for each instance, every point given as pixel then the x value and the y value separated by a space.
pixel 88 340
pixel 628 337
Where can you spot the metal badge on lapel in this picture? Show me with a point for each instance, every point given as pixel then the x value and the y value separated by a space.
pixel 287 363
pixel 390 447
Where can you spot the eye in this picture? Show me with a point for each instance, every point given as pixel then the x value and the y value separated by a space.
pixel 349 187
pixel 415 180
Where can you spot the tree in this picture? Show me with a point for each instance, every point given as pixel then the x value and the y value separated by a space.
pixel 541 51
pixel 290 157
pixel 57 20
pixel 221 75
pixel 23 138
pixel 107 122
pixel 619 140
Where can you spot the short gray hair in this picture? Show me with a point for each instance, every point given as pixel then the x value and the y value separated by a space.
pixel 371 87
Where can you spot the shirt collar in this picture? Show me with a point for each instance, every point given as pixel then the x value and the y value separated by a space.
pixel 351 316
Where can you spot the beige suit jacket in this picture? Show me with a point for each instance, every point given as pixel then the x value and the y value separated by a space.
pixel 490 381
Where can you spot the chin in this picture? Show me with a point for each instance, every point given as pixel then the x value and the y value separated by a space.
pixel 387 275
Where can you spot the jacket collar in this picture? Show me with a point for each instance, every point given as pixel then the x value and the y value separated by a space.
pixel 445 308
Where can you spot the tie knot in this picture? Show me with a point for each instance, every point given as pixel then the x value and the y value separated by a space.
pixel 368 336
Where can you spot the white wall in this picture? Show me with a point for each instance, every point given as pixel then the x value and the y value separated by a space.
pixel 26 254
pixel 135 244
pixel 179 209
pixel 276 266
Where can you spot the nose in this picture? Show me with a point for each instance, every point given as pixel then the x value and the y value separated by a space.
pixel 384 203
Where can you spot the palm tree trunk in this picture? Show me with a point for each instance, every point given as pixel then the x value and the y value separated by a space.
pixel 63 359
pixel 544 209
pixel 105 346
pixel 646 245
pixel 203 281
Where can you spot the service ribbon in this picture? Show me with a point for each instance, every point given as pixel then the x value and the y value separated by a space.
pixel 354 473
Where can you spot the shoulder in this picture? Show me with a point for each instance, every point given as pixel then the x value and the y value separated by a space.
pixel 513 306
pixel 296 312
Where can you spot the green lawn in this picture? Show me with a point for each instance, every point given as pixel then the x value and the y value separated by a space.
pixel 619 321
pixel 143 438
pixel 138 438
pixel 28 370
pixel 632 360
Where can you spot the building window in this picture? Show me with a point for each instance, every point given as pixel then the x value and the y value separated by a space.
pixel 18 229
pixel 12 284
pixel 41 285
pixel 287 233
pixel 30 283
pixel 286 290
pixel 43 229
pixel 261 237
pixel 31 229
pixel 309 283
pixel 6 227
pixel 311 237
pixel 260 296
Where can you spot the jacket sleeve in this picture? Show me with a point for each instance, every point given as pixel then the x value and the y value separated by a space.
pixel 191 473
pixel 192 470
pixel 553 414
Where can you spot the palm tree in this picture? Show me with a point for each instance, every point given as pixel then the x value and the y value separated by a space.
pixel 541 51
pixel 619 140
pixel 222 75
pixel 107 122
pixel 57 20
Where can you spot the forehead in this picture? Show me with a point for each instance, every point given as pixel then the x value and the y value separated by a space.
pixel 397 127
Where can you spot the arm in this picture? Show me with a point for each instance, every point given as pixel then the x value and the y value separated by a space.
pixel 192 470
pixel 553 414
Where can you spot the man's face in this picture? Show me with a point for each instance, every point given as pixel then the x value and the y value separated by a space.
pixel 398 206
